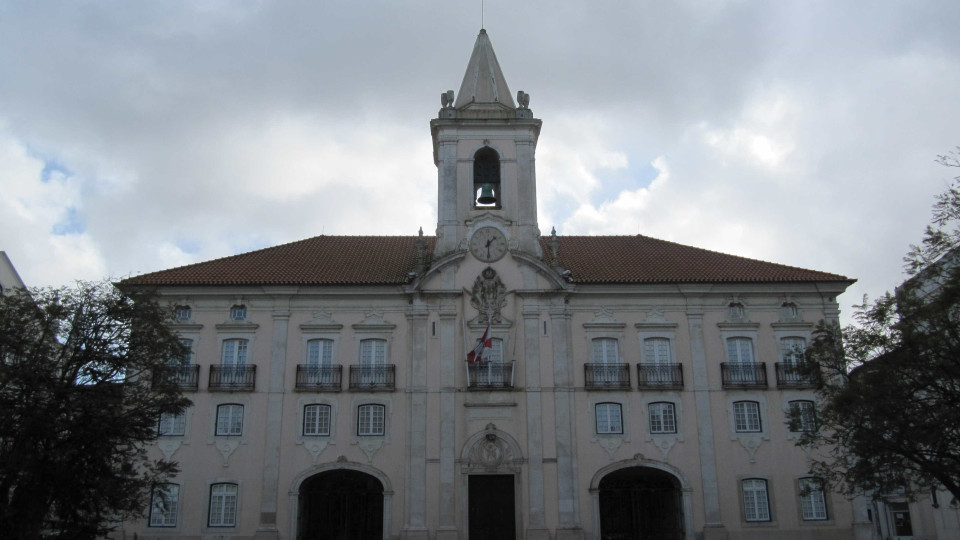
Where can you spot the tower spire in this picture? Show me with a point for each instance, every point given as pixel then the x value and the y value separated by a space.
pixel 483 82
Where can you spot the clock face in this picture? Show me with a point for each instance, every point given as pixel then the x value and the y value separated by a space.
pixel 488 244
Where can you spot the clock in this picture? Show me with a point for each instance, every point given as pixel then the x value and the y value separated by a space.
pixel 488 244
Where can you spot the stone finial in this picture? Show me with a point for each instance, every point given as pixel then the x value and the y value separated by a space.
pixel 523 99
pixel 421 245
pixel 554 244
pixel 446 99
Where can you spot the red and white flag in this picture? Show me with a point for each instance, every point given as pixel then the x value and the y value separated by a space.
pixel 482 350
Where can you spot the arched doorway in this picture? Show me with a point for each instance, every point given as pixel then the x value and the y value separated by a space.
pixel 640 503
pixel 341 504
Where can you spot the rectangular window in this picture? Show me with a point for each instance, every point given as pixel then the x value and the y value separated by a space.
pixel 223 505
pixel 172 424
pixel 319 352
pixel 605 351
pixel 662 418
pixel 746 416
pixel 238 313
pixel 740 350
pixel 656 351
pixel 792 349
pixel 316 420
pixel 756 505
pixel 803 416
pixel 370 420
pixel 609 418
pixel 182 313
pixel 373 352
pixel 164 504
pixel 234 352
pixel 229 419
pixel 813 503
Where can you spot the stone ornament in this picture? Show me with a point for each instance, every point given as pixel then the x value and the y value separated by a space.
pixel 488 297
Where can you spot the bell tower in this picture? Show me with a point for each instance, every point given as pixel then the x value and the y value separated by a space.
pixel 484 146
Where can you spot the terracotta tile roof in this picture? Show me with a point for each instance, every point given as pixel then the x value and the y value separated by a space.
pixel 641 259
pixel 386 260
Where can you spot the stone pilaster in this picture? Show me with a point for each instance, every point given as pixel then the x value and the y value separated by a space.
pixel 448 403
pixel 274 423
pixel 415 494
pixel 537 525
pixel 567 490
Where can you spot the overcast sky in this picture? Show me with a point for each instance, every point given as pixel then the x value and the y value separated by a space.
pixel 138 136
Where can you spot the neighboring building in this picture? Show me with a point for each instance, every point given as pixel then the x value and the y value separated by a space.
pixel 9 278
pixel 633 388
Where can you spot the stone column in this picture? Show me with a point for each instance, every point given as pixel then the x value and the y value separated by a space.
pixel 713 526
pixel 537 525
pixel 446 192
pixel 448 425
pixel 415 494
pixel 568 495
pixel 274 424
pixel 527 192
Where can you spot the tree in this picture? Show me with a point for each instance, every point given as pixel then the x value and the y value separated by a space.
pixel 78 405
pixel 889 414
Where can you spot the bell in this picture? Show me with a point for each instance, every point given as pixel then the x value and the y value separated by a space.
pixel 486 194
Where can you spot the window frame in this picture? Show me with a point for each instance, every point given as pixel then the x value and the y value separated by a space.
pixel 605 425
pixel 736 415
pixel 238 312
pixel 673 417
pixel 653 356
pixel 739 358
pixel 814 491
pixel 175 421
pixel 318 423
pixel 751 510
pixel 789 355
pixel 805 425
pixel 239 357
pixel 182 313
pixel 324 357
pixel 223 506
pixel 605 357
pixel 229 422
pixel 174 510
pixel 372 360
pixel 368 409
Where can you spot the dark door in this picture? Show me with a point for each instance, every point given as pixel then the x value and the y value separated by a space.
pixel 492 513
pixel 640 503
pixel 341 505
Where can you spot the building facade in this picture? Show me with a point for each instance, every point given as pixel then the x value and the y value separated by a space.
pixel 630 387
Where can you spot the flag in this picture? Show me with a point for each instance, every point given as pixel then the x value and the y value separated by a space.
pixel 480 352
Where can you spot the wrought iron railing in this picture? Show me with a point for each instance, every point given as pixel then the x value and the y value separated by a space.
pixel 791 375
pixel 660 376
pixel 186 376
pixel 232 378
pixel 490 375
pixel 606 376
pixel 372 378
pixel 318 378
pixel 752 375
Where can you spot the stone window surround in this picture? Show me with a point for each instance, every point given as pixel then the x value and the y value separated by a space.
pixel 207 528
pixel 771 502
pixel 827 503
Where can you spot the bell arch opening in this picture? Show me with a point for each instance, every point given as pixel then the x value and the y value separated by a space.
pixel 486 178
pixel 640 503
pixel 340 504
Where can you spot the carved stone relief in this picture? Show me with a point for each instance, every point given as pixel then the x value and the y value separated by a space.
pixel 488 297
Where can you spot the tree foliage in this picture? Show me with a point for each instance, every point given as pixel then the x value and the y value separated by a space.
pixel 890 400
pixel 77 407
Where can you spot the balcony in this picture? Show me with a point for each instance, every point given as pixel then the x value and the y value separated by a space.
pixel 373 378
pixel 606 376
pixel 186 377
pixel 231 378
pixel 490 376
pixel 793 376
pixel 660 376
pixel 752 375
pixel 318 378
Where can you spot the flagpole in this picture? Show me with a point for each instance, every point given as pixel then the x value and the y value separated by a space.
pixel 463 330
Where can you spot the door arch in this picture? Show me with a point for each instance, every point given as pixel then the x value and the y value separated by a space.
pixel 340 504
pixel 640 503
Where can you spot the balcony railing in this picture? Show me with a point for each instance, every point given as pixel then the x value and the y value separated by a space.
pixel 232 378
pixel 373 378
pixel 606 376
pixel 666 376
pixel 318 378
pixel 753 375
pixel 490 375
pixel 186 377
pixel 794 376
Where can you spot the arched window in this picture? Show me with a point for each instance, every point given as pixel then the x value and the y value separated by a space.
pixel 609 418
pixel 229 419
pixel 371 419
pixel 486 178
pixel 319 352
pixel 792 349
pixel 223 505
pixel 756 504
pixel 164 505
pixel 803 416
pixel 813 503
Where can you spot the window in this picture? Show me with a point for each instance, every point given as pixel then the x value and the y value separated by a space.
pixel 746 417
pixel 609 418
pixel 316 421
pixel 789 311
pixel 182 313
pixel 234 352
pixel 172 424
pixel 740 350
pixel 187 357
pixel 756 505
pixel 238 312
pixel 164 505
pixel 792 349
pixel 319 352
pixel 370 420
pixel 605 351
pixel 803 416
pixel 229 419
pixel 495 354
pixel 373 352
pixel 486 178
pixel 663 418
pixel 813 503
pixel 223 505
pixel 656 351
pixel 735 310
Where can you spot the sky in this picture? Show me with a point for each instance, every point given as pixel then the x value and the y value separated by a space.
pixel 139 136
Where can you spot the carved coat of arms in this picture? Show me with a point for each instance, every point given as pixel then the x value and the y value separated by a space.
pixel 489 297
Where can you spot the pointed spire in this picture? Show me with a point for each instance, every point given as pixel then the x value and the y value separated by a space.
pixel 484 81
